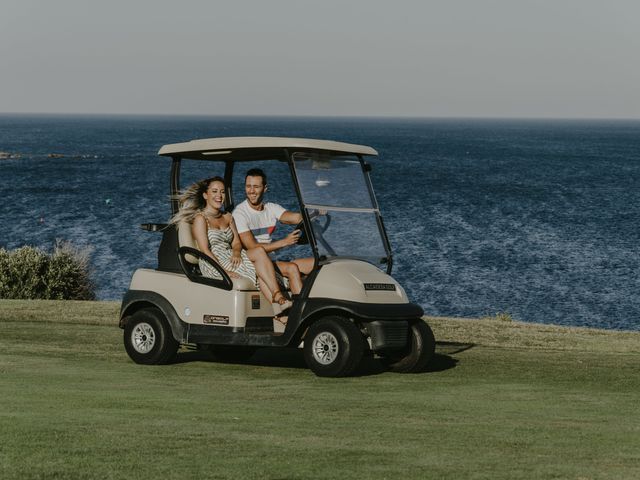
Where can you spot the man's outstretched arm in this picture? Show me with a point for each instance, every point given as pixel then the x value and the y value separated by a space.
pixel 249 241
pixel 291 218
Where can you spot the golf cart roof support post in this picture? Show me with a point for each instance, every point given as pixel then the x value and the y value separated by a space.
pixel 387 245
pixel 174 186
pixel 303 210
pixel 228 181
pixel 366 169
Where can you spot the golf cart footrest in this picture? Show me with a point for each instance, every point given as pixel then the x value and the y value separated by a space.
pixel 387 335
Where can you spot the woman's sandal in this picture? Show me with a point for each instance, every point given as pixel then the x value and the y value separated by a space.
pixel 283 319
pixel 279 298
pixel 281 307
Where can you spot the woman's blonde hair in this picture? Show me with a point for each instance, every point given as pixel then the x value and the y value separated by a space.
pixel 191 201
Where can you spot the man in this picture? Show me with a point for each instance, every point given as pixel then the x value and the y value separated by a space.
pixel 256 221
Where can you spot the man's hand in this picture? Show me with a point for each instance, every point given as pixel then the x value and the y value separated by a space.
pixel 292 238
pixel 320 212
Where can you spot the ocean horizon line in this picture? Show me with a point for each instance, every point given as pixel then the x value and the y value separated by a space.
pixel 478 118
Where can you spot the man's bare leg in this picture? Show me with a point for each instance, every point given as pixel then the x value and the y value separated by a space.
pixel 305 265
pixel 290 270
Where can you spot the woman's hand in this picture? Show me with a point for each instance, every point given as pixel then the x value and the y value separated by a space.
pixel 236 260
pixel 232 274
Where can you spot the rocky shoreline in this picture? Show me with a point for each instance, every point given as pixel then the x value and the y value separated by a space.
pixel 10 155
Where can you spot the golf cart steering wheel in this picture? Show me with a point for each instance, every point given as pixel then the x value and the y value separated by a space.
pixel 318 230
pixel 304 235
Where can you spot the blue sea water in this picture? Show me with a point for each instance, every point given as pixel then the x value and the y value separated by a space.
pixel 536 218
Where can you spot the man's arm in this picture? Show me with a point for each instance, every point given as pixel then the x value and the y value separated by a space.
pixel 294 218
pixel 290 218
pixel 249 241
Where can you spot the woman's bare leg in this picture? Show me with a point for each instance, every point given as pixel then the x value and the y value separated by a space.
pixel 267 275
pixel 265 291
pixel 264 270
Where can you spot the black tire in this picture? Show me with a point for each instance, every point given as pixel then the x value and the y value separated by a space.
pixel 333 347
pixel 231 353
pixel 148 339
pixel 420 349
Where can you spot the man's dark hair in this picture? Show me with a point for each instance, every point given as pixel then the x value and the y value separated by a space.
pixel 256 172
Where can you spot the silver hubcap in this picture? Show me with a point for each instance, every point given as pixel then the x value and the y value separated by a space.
pixel 325 348
pixel 143 338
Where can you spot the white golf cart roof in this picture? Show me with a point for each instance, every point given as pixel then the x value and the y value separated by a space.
pixel 215 148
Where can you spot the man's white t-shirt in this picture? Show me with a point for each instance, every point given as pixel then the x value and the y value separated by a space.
pixel 262 223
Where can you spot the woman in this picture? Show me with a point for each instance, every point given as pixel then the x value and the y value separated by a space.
pixel 215 235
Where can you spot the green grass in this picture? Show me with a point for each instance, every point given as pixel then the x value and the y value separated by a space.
pixel 502 400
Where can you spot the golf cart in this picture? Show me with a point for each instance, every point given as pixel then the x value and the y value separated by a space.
pixel 349 305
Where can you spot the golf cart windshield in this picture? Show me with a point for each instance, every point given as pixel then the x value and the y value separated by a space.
pixel 338 198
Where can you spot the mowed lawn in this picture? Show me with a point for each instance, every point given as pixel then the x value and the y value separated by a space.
pixel 501 400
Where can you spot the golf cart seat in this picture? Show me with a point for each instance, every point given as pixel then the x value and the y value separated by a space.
pixel 189 257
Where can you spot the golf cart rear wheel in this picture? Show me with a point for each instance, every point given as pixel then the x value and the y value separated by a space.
pixel 415 357
pixel 333 347
pixel 148 339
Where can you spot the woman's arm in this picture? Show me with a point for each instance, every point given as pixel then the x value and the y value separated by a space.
pixel 236 244
pixel 199 233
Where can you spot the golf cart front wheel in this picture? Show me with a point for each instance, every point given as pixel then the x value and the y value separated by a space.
pixel 148 339
pixel 333 347
pixel 421 346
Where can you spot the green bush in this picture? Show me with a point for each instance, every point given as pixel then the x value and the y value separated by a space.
pixel 30 273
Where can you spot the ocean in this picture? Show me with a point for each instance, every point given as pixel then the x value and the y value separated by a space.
pixel 534 218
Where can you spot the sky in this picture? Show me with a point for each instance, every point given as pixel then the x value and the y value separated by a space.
pixel 428 58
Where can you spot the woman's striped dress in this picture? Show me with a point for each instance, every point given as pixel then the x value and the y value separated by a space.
pixel 220 245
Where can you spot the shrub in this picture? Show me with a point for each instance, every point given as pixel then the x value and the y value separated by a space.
pixel 22 272
pixel 30 273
